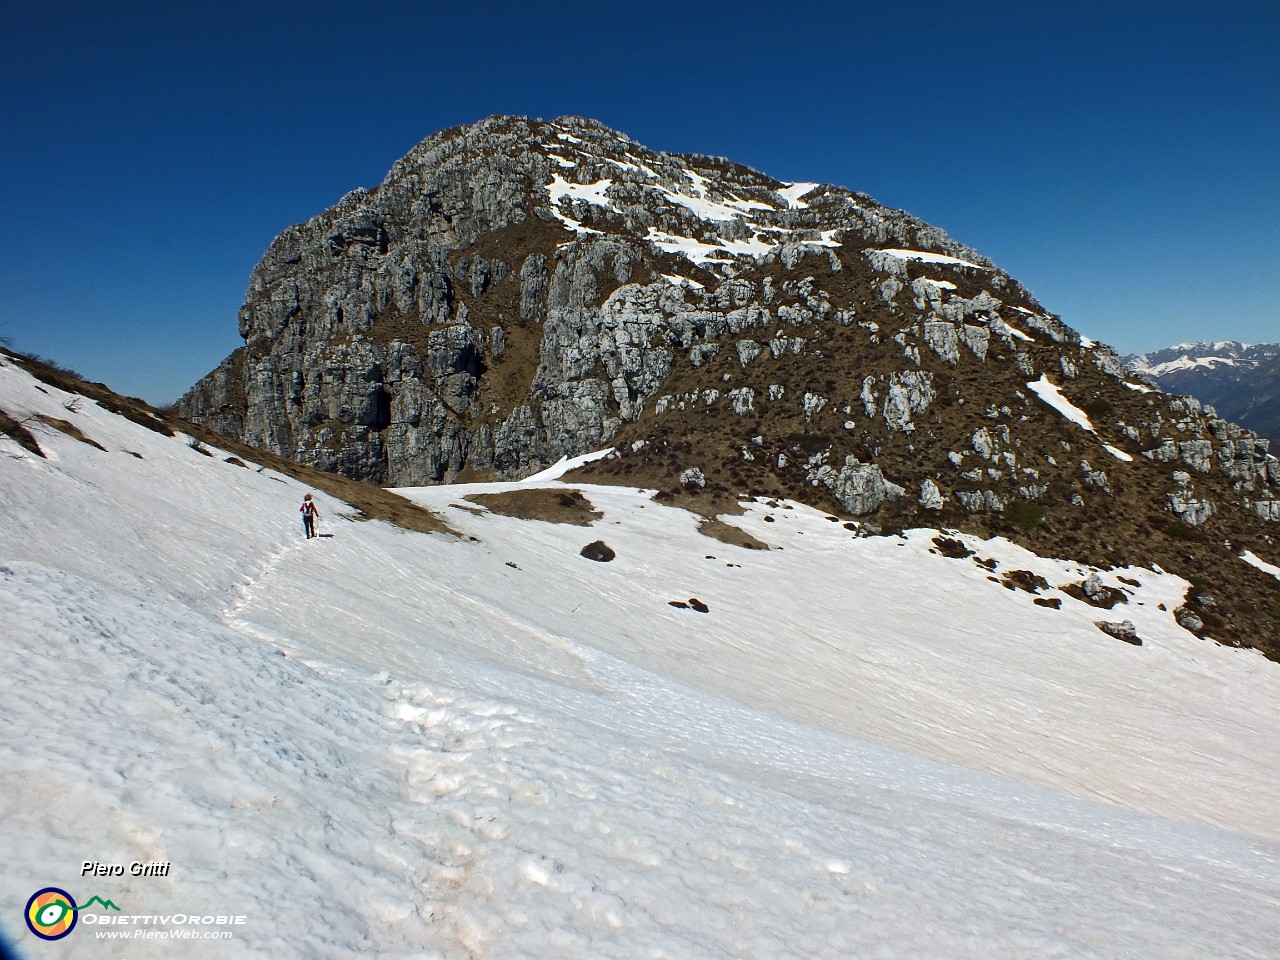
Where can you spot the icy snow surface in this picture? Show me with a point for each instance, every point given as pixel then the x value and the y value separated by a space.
pixel 381 743
pixel 1050 394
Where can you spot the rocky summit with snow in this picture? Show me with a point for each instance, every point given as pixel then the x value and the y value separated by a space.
pixel 519 291
pixel 1241 381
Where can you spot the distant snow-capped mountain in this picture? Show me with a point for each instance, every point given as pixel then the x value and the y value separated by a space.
pixel 1241 381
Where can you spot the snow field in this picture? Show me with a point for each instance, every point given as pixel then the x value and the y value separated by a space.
pixel 136 730
pixel 879 638
pixel 457 757
pixel 792 193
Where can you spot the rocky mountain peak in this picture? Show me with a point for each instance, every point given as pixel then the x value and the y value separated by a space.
pixel 568 211
pixel 518 291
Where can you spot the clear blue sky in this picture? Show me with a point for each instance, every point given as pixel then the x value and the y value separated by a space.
pixel 1120 159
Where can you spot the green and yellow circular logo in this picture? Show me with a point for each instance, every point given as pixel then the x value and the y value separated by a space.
pixel 51 913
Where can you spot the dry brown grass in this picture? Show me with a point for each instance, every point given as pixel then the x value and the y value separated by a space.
pixel 18 431
pixel 541 503
pixel 70 429
pixel 717 529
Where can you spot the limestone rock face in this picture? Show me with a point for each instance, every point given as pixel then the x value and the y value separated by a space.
pixel 930 496
pixel 515 291
pixel 861 488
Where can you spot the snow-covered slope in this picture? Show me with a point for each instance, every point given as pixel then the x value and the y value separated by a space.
pixel 383 743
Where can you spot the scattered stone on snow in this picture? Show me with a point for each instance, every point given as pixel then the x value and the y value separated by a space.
pixel 599 551
pixel 1121 630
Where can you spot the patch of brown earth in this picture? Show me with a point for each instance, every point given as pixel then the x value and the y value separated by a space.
pixel 717 529
pixel 541 503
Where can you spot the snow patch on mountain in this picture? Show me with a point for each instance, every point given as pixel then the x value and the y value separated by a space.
pixel 685 282
pixel 1052 395
pixel 1254 560
pixel 592 193
pixel 710 206
pixel 925 256
pixel 793 192
pixel 704 208
pixel 702 252
pixel 1186 363
pixel 1006 327
pixel 563 466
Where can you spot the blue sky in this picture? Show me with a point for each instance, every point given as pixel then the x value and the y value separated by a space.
pixel 1117 158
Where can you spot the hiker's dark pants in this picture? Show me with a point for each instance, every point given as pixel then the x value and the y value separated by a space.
pixel 309 525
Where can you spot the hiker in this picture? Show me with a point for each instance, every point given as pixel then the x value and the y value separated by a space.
pixel 309 514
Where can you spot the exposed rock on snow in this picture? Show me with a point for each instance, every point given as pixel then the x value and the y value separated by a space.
pixel 599 551
pixel 1122 630
pixel 1093 591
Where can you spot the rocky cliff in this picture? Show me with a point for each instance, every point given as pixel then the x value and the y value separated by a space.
pixel 518 291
